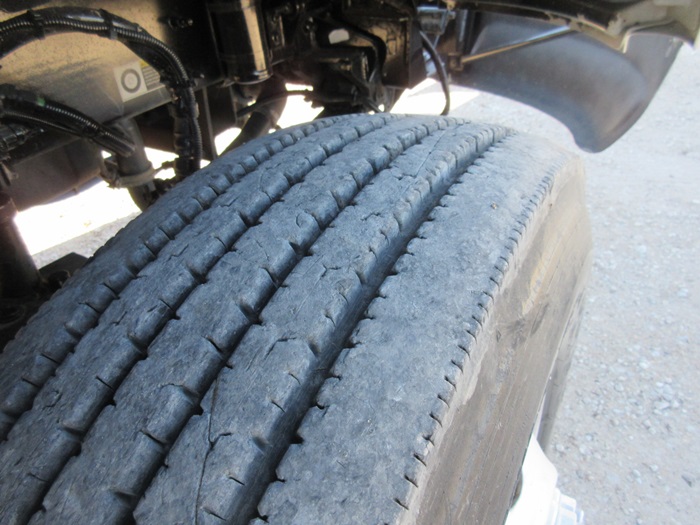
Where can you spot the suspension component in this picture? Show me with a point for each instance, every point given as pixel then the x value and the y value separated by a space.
pixel 18 274
pixel 135 169
pixel 20 282
pixel 241 39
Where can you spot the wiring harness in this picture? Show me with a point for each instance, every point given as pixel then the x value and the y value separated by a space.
pixel 38 24
pixel 29 108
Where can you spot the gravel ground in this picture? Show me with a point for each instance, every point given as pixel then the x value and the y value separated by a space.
pixel 626 442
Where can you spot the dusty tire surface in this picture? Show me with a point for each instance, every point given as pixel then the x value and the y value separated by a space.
pixel 350 321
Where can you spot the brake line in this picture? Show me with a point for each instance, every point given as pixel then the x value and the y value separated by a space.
pixel 543 37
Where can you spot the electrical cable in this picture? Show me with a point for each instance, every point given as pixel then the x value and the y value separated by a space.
pixel 14 135
pixel 38 24
pixel 26 107
pixel 440 68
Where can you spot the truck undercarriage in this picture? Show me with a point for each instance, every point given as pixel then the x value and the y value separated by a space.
pixel 87 85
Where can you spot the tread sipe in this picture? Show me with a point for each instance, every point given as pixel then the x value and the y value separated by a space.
pixel 350 321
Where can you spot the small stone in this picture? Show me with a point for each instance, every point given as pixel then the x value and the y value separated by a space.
pixel 654 468
pixel 644 365
pixel 612 478
pixel 683 293
pixel 619 388
pixel 660 406
pixel 668 393
pixel 690 480
pixel 559 448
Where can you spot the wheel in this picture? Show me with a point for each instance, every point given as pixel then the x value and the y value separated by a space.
pixel 351 321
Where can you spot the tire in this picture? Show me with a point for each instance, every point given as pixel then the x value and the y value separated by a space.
pixel 351 321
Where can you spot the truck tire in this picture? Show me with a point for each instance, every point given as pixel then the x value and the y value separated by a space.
pixel 351 321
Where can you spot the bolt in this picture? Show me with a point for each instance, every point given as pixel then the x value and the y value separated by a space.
pixel 308 25
pixel 57 279
pixel 179 22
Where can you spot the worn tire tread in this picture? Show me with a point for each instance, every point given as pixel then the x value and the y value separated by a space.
pixel 185 375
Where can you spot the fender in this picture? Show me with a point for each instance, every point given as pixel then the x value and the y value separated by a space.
pixel 597 91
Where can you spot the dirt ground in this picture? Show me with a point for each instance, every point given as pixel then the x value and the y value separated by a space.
pixel 626 442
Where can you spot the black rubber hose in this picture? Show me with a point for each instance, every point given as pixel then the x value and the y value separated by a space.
pixel 35 25
pixel 134 166
pixel 265 116
pixel 440 67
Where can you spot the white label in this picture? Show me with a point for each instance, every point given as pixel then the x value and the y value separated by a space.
pixel 135 79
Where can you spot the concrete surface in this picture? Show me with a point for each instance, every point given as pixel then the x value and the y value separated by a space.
pixel 626 442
